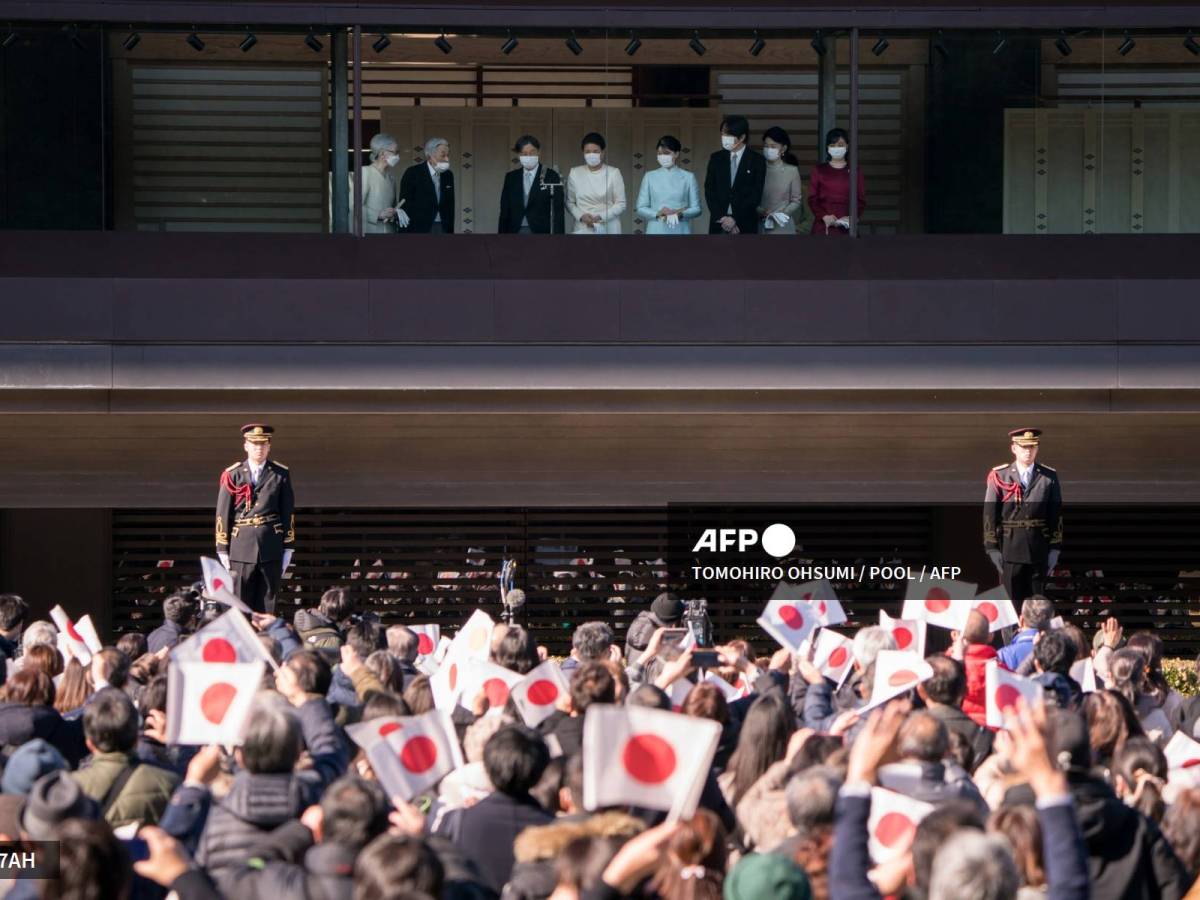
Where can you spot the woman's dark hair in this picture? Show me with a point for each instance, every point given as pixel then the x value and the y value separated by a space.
pixel 92 863
pixel 517 651
pixel 418 696
pixel 699 842
pixel 386 667
pixel 395 865
pixel 593 137
pixel 1020 826
pixel 832 137
pixel 762 741
pixel 154 695
pixel 705 701
pixel 1150 645
pixel 383 703
pixel 779 136
pixel 1143 768
pixel 526 140
pixel 44 657
pixel 669 142
pixel 1111 721
pixel 582 862
pixel 545 792
pixel 132 644
pixel 336 604
pixel 1128 670
pixel 30 687
pixel 1181 825
pixel 73 689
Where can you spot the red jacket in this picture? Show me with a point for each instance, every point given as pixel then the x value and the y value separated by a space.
pixel 975 660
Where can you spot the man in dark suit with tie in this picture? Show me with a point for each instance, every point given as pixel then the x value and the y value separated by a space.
pixel 256 520
pixel 427 203
pixel 532 199
pixel 733 184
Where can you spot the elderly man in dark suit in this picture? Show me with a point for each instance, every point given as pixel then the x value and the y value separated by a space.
pixel 733 184
pixel 427 203
pixel 531 201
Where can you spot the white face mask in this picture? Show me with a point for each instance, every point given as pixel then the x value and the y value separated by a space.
pixel 771 153
pixel 727 141
pixel 837 152
pixel 442 166
pixel 666 160
pixel 529 162
pixel 392 159
pixel 592 159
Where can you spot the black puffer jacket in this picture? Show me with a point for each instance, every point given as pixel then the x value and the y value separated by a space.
pixel 20 723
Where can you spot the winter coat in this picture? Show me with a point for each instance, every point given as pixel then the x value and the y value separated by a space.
pixel 536 850
pixel 975 660
pixel 143 798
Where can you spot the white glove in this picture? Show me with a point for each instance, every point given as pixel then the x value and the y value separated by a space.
pixel 1052 560
pixel 401 218
pixel 781 217
pixel 997 560
pixel 768 224
pixel 673 220
pixel 224 558
pixel 287 559
pixel 844 221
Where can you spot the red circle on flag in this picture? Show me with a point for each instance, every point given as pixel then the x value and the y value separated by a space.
pixel 218 584
pixel 903 636
pixel 904 676
pixel 838 658
pixel 1190 763
pixel 791 617
pixel 387 728
pixel 453 679
pixel 649 758
pixel 937 600
pixel 419 754
pixel 73 633
pixel 424 644
pixel 821 608
pixel 1007 697
pixel 496 691
pixel 988 608
pixel 215 700
pixel 218 650
pixel 892 828
pixel 542 692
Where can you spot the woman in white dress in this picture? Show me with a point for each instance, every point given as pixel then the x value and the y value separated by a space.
pixel 595 191
pixel 378 187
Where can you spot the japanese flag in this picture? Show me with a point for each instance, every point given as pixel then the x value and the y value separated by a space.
pixel 74 642
pixel 428 638
pixel 939 601
pixel 87 631
pixel 1084 673
pixel 443 647
pixel 1004 689
pixel 537 694
pixel 218 584
pixel 996 608
pixel 820 595
pixel 416 755
pixel 1182 753
pixel 226 639
pixel 909 634
pixel 447 683
pixel 834 655
pixel 474 640
pixel 789 621
pixel 495 681
pixel 365 734
pixel 210 703
pixel 896 671
pixel 634 756
pixel 727 690
pixel 892 823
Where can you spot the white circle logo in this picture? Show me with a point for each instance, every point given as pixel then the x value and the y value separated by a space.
pixel 778 540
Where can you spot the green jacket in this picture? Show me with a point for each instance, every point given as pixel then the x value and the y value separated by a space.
pixel 144 796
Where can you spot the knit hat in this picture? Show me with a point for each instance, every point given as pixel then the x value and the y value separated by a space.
pixel 29 762
pixel 53 799
pixel 667 608
pixel 771 875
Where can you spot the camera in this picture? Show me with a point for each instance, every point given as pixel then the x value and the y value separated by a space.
pixel 696 620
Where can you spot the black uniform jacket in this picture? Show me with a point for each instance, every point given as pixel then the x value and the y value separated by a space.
pixel 255 523
pixel 1023 524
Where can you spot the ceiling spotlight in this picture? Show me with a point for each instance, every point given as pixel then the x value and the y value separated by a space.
pixel 195 42
pixel 247 42
pixel 73 36
pixel 758 46
pixel 697 45
pixel 1189 42
pixel 11 38
pixel 382 42
pixel 442 44
pixel 939 45
pixel 313 42
pixel 633 45
pixel 818 44
pixel 510 45
pixel 880 47
pixel 132 40
pixel 1001 43
pixel 1127 45
pixel 1062 44
pixel 573 45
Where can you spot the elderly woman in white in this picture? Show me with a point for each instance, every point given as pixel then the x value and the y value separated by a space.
pixel 379 187
pixel 595 191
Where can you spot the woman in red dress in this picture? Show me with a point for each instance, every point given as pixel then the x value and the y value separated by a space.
pixel 829 188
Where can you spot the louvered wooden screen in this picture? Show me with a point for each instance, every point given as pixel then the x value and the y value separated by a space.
pixel 212 147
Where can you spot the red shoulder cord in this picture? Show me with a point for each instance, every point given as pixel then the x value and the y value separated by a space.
pixel 1003 488
pixel 242 493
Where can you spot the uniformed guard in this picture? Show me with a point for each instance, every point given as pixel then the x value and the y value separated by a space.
pixel 256 520
pixel 1022 518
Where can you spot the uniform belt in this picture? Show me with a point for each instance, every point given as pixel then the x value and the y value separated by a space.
pixel 258 520
pixel 1023 523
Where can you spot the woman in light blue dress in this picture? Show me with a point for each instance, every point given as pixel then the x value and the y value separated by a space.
pixel 669 197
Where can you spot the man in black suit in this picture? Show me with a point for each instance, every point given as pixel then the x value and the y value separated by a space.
pixel 733 184
pixel 532 199
pixel 256 520
pixel 427 203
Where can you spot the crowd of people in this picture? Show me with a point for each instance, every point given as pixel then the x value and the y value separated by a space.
pixel 745 191
pixel 1072 798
